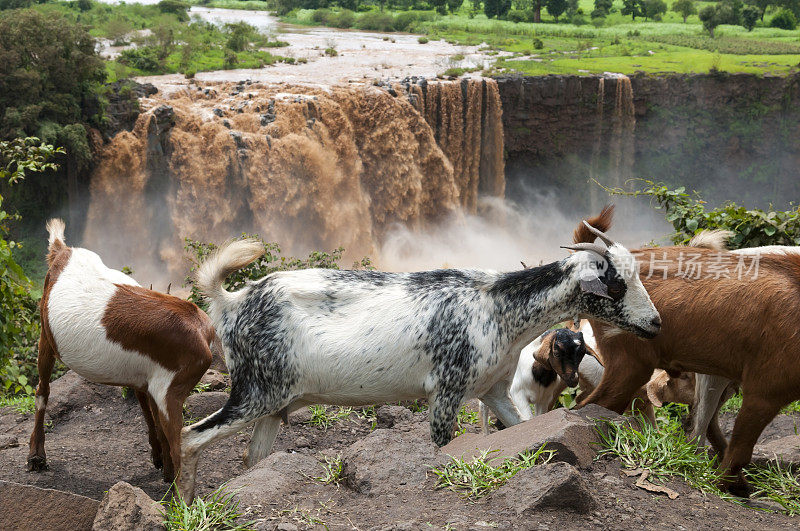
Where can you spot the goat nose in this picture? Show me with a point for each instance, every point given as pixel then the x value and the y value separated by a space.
pixel 656 322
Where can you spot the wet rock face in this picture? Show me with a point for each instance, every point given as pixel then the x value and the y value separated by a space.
pixel 707 132
pixel 128 508
pixel 123 105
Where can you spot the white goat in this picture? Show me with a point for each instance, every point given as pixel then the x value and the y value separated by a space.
pixel 296 338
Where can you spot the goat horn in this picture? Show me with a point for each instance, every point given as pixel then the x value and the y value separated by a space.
pixel 600 234
pixel 523 264
pixel 594 247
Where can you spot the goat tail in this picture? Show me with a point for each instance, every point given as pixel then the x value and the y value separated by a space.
pixel 711 239
pixel 55 242
pixel 601 222
pixel 55 228
pixel 228 258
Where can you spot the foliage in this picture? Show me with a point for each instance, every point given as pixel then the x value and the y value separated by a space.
pixel 751 228
pixel 777 483
pixel 271 261
pixel 466 417
pixel 750 15
pixel 19 325
pixel 784 19
pixel 653 9
pixel 332 470
pixel 662 450
pixel 215 511
pixel 323 417
pixel 684 8
pixel 496 8
pixel 176 7
pixel 634 8
pixel 713 16
pixel 555 8
pixel 481 475
pixel 49 71
pixel 603 6
pixel 729 45
pixel 21 404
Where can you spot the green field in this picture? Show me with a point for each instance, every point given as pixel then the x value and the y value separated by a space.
pixel 614 43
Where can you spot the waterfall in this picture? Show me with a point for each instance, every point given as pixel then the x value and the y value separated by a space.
pixel 310 168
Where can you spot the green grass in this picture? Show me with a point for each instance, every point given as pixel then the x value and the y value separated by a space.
pixel 665 452
pixel 323 417
pixel 478 477
pixel 20 403
pixel 734 404
pixel 465 418
pixel 332 470
pixel 215 511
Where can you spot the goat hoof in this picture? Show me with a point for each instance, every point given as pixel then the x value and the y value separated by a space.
pixel 37 463
pixel 157 462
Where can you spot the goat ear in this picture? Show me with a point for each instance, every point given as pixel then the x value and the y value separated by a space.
pixel 595 286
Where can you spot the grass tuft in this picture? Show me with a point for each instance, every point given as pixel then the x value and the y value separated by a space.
pixel 480 476
pixel 776 483
pixel 323 417
pixel 215 511
pixel 20 403
pixel 332 470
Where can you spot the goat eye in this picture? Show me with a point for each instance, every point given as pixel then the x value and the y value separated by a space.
pixel 616 289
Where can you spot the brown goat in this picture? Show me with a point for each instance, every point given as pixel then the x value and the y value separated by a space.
pixel 108 329
pixel 742 328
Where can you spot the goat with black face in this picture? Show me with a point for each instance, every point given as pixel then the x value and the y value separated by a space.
pixel 567 349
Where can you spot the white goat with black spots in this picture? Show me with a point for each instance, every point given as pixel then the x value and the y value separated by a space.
pixel 296 338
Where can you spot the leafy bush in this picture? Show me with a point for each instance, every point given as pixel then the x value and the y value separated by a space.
pixel 145 58
pixel 404 21
pixel 344 19
pixel 19 316
pixel 423 40
pixel 376 21
pixel 538 44
pixel 751 228
pixel 176 7
pixel 272 260
pixel 784 19
pixel 321 16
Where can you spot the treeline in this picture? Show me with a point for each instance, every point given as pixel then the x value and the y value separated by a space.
pixel 734 12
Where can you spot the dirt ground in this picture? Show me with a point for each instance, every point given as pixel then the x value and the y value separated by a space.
pixel 101 440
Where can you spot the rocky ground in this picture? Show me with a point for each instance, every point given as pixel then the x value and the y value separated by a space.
pixel 96 438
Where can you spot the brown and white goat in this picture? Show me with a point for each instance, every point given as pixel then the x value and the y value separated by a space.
pixel 108 329
pixel 739 327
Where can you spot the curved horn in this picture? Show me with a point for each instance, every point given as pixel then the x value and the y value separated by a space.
pixel 593 247
pixel 600 234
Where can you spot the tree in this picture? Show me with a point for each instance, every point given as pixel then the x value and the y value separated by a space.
pixel 18 317
pixel 556 8
pixel 684 8
pixel 602 7
pixel 496 8
pixel 784 19
pixel 633 8
pixel 762 6
pixel 50 75
pixel 653 9
pixel 750 16
pixel 454 5
pixel 710 18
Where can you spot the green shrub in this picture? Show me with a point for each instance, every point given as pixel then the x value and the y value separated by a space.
pixel 145 58
pixel 404 21
pixel 423 40
pixel 538 44
pixel 376 21
pixel 176 7
pixel 321 16
pixel 344 19
pixel 784 19
pixel 751 228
